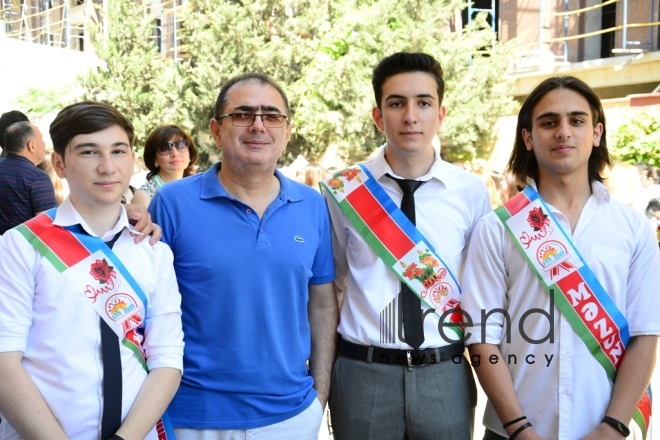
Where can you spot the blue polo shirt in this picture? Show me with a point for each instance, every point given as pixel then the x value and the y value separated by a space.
pixel 244 288
pixel 25 190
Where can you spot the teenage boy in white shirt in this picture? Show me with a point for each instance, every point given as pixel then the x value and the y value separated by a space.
pixel 384 384
pixel 541 377
pixel 82 305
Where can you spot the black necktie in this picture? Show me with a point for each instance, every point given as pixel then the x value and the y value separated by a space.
pixel 112 380
pixel 412 316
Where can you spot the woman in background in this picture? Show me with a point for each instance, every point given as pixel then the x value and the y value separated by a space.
pixel 314 173
pixel 170 155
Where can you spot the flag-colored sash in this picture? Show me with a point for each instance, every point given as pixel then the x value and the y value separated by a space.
pixel 101 278
pixel 397 242
pixel 576 291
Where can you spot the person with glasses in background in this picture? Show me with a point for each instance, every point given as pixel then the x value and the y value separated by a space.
pixel 170 155
pixel 253 259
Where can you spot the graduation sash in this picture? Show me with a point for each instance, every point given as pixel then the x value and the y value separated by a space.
pixel 101 278
pixel 397 242
pixel 576 291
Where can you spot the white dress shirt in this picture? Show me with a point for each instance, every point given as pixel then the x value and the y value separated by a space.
pixel 43 316
pixel 447 207
pixel 563 390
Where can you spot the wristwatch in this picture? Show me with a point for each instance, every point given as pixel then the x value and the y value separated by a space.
pixel 619 426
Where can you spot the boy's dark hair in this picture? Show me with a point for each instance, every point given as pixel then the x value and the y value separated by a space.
pixel 161 136
pixel 405 62
pixel 86 117
pixel 522 162
pixel 265 80
pixel 8 119
pixel 17 136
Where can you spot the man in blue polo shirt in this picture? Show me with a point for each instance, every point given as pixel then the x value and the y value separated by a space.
pixel 253 259
pixel 25 190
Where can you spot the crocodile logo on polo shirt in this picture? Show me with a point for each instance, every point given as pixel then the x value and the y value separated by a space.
pixel 299 239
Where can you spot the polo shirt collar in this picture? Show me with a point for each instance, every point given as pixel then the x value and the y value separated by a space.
pixel 211 186
pixel 67 215
pixel 288 189
pixel 440 170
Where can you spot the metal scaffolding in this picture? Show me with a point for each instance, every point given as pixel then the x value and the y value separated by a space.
pixel 65 23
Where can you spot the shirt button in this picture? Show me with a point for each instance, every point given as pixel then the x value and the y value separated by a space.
pixel 248 210
pixel 261 230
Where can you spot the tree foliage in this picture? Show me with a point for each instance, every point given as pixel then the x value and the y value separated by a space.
pixel 134 78
pixel 637 139
pixel 324 52
pixel 321 51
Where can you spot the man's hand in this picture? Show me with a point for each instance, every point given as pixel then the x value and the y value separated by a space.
pixel 140 218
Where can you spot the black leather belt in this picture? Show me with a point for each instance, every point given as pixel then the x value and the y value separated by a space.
pixel 411 358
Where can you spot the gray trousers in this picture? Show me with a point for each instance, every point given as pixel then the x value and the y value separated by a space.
pixel 388 402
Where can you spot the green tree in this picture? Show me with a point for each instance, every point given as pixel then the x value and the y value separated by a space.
pixel 335 97
pixel 133 77
pixel 226 38
pixel 323 53
pixel 637 139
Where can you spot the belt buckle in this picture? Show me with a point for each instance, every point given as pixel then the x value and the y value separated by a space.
pixel 409 359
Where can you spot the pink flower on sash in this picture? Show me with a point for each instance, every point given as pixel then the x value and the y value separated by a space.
pixel 102 272
pixel 537 219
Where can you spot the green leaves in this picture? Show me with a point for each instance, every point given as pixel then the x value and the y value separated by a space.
pixel 135 78
pixel 637 138
pixel 321 51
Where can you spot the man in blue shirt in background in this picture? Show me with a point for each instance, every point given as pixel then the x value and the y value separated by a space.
pixel 253 258
pixel 25 190
pixel 7 119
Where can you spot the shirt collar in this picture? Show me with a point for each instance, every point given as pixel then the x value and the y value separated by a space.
pixel 598 190
pixel 440 170
pixel 13 156
pixel 68 215
pixel 211 186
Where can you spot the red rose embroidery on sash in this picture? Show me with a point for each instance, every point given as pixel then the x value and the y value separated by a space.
pixel 102 272
pixel 537 219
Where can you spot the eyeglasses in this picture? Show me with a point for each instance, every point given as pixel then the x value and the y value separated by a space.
pixel 270 120
pixel 166 148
